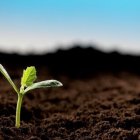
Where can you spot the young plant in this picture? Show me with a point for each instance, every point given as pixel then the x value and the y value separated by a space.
pixel 27 84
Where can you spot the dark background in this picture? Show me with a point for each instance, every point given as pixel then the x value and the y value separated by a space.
pixel 76 62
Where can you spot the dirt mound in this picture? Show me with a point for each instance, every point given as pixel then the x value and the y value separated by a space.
pixel 104 104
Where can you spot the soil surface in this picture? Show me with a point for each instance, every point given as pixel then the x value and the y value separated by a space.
pixel 102 106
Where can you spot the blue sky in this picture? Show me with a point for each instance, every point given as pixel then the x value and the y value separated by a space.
pixel 34 24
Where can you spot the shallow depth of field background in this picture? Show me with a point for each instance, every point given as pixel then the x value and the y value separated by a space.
pixel 42 26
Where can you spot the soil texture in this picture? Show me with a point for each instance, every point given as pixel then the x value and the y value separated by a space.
pixel 100 106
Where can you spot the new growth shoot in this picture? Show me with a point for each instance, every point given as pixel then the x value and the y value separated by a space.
pixel 27 84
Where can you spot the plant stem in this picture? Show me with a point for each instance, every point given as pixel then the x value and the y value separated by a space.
pixel 18 110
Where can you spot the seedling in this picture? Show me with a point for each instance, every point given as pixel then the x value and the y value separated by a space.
pixel 27 84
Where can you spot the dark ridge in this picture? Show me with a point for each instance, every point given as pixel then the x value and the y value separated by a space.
pixel 76 61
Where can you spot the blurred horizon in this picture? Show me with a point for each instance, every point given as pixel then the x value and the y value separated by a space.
pixel 38 26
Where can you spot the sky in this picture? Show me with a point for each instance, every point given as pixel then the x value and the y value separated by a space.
pixel 44 25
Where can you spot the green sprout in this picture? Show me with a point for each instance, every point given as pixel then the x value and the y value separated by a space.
pixel 27 84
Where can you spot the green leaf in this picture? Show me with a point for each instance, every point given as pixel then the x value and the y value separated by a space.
pixel 29 76
pixel 6 75
pixel 44 84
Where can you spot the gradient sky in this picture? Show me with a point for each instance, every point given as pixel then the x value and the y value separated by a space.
pixel 45 24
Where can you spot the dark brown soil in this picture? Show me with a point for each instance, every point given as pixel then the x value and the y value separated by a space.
pixel 104 106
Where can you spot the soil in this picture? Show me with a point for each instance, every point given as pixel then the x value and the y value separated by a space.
pixel 103 105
